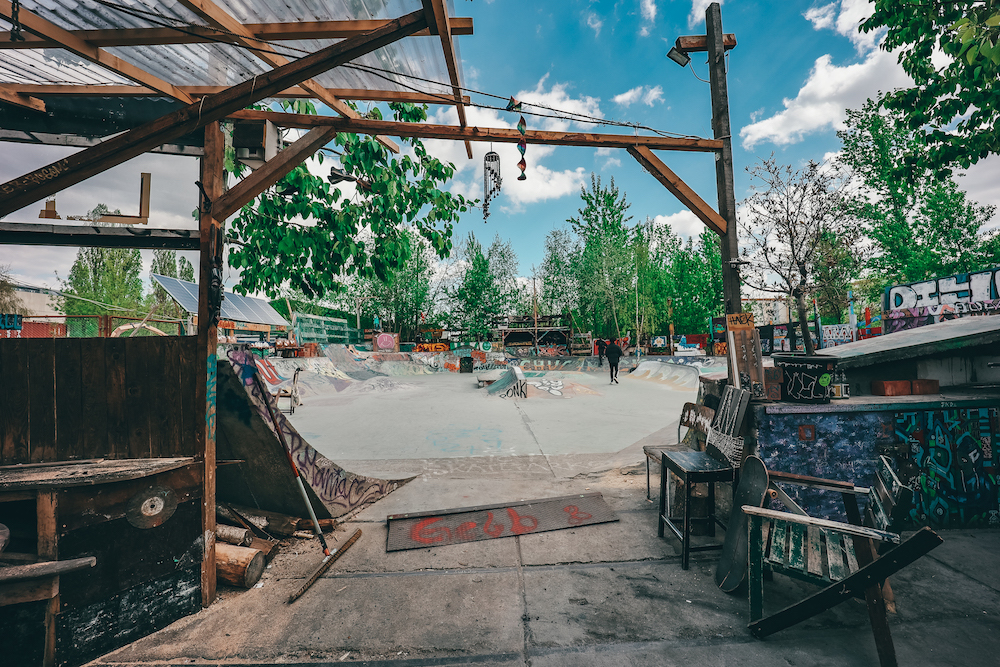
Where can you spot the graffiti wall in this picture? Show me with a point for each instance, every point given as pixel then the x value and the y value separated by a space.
pixel 837 334
pixel 952 465
pixel 960 288
pixel 911 318
pixel 948 456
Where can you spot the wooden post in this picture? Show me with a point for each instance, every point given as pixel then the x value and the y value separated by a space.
pixel 724 159
pixel 46 509
pixel 212 179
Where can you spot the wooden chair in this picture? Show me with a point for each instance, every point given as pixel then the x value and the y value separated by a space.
pixel 841 557
pixel 291 393
pixel 718 463
pixel 694 417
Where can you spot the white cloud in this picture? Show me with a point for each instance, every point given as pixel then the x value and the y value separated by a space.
pixel 649 96
pixel 698 8
pixel 683 223
pixel 844 17
pixel 653 95
pixel 821 101
pixel 628 97
pixel 647 8
pixel 557 98
pixel 594 23
pixel 611 162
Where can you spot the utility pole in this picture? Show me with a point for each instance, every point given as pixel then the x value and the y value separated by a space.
pixel 724 159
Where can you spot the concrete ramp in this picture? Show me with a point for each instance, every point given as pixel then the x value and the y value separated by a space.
pixel 264 479
pixel 512 384
pixel 675 376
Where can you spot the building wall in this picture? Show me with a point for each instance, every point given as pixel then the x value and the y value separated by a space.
pixel 947 454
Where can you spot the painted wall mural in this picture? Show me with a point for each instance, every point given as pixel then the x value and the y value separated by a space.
pixel 959 288
pixel 911 318
pixel 952 465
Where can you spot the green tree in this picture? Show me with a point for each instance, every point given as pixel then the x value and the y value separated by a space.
pixel 510 297
pixel 955 109
pixel 922 226
pixel 477 296
pixel 337 238
pixel 604 266
pixel 404 295
pixel 9 301
pixel 164 264
pixel 558 292
pixel 110 276
pixel 185 270
pixel 695 278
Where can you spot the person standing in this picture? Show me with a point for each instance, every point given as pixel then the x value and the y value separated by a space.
pixel 601 346
pixel 613 353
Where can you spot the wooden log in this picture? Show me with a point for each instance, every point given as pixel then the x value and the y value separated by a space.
pixel 268 547
pixel 241 537
pixel 238 566
pixel 44 569
pixel 272 522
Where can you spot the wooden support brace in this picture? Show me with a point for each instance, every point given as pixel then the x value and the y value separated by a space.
pixel 10 95
pixel 273 171
pixel 21 233
pixel 439 24
pixel 679 188
pixel 61 174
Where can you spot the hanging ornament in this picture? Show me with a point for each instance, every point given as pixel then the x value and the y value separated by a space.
pixel 522 145
pixel 491 181
pixel 513 105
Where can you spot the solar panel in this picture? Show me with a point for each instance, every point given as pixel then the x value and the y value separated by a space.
pixel 235 307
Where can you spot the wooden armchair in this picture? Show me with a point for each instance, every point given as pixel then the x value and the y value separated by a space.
pixel 840 557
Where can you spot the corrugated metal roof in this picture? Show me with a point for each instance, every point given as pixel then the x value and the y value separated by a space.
pixel 221 64
pixel 235 307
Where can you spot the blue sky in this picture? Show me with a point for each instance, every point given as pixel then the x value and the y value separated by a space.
pixel 797 66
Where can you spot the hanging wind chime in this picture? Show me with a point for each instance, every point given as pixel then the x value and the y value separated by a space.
pixel 522 145
pixel 491 180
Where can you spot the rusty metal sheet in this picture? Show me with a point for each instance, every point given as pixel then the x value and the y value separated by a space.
pixel 486 522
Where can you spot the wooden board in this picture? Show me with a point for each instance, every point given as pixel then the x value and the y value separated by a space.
pixel 42 400
pixel 117 419
pixel 14 432
pixel 69 400
pixel 749 361
pixel 138 397
pixel 86 473
pixel 94 403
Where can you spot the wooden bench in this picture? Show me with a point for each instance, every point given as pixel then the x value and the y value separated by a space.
pixel 693 417
pixel 840 557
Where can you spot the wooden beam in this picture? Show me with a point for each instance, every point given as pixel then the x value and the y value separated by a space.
pixel 272 32
pixel 679 189
pixel 695 43
pixel 273 171
pixel 428 131
pixel 47 90
pixel 88 51
pixel 210 266
pixel 52 178
pixel 440 25
pixel 10 95
pixel 219 18
pixel 22 233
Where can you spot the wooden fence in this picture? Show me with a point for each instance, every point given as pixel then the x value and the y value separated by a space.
pixel 86 398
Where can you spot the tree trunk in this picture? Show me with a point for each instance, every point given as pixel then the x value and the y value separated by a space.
pixel 800 303
pixel 238 566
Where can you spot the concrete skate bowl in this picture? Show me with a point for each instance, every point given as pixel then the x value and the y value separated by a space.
pixel 264 478
pixel 674 376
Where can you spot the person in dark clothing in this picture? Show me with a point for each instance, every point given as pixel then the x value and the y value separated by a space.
pixel 613 353
pixel 601 346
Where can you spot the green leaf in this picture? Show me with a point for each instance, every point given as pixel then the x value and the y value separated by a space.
pixel 973 51
pixel 993 21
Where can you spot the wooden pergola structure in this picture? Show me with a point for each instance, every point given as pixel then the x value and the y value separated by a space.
pixel 127 58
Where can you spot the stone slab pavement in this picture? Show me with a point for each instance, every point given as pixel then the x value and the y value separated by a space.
pixel 610 594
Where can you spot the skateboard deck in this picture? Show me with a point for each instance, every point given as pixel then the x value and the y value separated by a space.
pixel 752 490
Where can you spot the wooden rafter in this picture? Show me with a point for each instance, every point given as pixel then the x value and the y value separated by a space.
pixel 52 178
pixel 66 40
pixel 46 90
pixel 440 25
pixel 219 18
pixel 271 172
pixel 499 135
pixel 21 233
pixel 11 95
pixel 679 189
pixel 272 32
pixel 695 43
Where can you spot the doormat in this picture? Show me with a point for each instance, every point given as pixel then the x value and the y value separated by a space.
pixel 488 522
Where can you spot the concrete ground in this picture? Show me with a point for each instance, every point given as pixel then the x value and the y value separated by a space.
pixel 609 594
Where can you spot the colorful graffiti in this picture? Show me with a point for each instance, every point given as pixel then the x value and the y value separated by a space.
pixel 959 288
pixel 342 492
pixel 911 318
pixel 430 347
pixel 952 465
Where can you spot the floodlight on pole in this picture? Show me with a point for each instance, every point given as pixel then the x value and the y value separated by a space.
pixel 678 56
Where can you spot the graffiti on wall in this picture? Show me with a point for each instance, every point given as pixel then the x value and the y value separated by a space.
pixel 911 318
pixel 952 465
pixel 837 334
pixel 959 288
pixel 11 325
pixel 341 491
